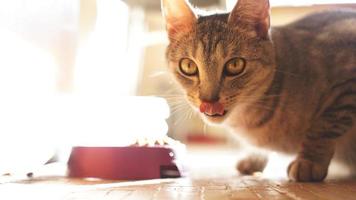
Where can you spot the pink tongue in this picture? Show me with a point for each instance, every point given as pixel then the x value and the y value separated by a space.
pixel 212 108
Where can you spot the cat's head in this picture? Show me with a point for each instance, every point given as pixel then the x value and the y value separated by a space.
pixel 222 61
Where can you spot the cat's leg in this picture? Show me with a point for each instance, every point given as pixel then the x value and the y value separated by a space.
pixel 318 148
pixel 313 160
pixel 254 162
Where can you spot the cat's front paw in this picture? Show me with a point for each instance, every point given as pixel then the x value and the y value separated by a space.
pixel 251 164
pixel 303 170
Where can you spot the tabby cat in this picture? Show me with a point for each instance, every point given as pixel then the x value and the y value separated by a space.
pixel 289 89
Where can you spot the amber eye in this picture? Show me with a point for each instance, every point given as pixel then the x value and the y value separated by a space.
pixel 188 67
pixel 234 66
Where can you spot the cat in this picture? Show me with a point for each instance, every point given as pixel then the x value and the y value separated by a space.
pixel 289 89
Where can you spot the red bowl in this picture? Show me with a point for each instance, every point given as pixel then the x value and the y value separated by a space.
pixel 124 163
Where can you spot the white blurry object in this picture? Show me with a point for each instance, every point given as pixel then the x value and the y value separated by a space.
pixel 32 127
pixel 26 72
pixel 24 67
pixel 49 26
pixel 103 64
pixel 89 120
pixel 26 137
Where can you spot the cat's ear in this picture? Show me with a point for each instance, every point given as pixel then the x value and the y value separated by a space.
pixel 179 16
pixel 254 14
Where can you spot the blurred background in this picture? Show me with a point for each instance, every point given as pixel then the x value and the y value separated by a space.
pixel 99 49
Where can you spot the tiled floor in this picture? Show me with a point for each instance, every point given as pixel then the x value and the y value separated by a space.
pixel 215 179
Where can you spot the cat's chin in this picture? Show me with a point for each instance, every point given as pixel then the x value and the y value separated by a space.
pixel 215 119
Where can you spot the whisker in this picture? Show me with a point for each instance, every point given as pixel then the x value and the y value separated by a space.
pixel 181 119
pixel 171 95
pixel 191 113
pixel 204 128
pixel 177 103
pixel 186 115
pixel 173 100
pixel 177 108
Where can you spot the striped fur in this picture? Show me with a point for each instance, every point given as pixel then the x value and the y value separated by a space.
pixel 297 94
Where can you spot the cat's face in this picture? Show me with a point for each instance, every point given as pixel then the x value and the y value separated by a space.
pixel 220 61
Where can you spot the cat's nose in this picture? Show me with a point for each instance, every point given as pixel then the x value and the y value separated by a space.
pixel 209 92
pixel 209 98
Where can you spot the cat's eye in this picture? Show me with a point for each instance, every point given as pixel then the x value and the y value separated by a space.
pixel 188 67
pixel 234 66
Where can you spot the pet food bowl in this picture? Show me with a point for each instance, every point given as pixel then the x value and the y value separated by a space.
pixel 126 163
